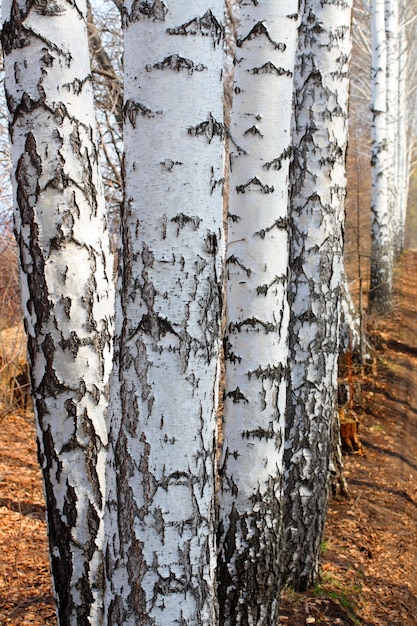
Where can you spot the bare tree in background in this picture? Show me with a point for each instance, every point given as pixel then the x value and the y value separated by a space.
pixel 392 125
pixel 106 46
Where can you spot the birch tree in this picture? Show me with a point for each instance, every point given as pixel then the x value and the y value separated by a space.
pixel 380 291
pixel 317 177
pixel 401 156
pixel 162 549
pixel 67 292
pixel 405 129
pixel 392 112
pixel 250 499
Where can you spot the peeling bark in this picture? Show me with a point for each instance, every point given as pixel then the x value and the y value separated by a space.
pixel 317 175
pixel 67 292
pixel 161 553
pixel 255 344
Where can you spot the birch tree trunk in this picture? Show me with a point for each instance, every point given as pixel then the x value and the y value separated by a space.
pixel 380 291
pixel 162 553
pixel 402 134
pixel 316 227
pixel 250 499
pixel 391 33
pixel 66 281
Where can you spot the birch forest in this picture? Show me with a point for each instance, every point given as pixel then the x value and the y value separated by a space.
pixel 204 205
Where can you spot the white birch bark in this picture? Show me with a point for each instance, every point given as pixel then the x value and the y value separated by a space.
pixel 316 223
pixel 350 325
pixel 162 554
pixel 66 279
pixel 380 291
pixel 391 33
pixel 250 498
pixel 402 143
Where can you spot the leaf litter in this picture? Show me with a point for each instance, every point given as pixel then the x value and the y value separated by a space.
pixel 368 565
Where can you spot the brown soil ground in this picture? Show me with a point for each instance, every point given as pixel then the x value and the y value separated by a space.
pixel 368 569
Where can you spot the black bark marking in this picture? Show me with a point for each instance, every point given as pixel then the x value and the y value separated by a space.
pixel 176 63
pixel 260 30
pixel 262 290
pixel 238 150
pixel 253 130
pixel 70 506
pixel 77 85
pixel 91 445
pixel 272 372
pixel 234 260
pixel 128 513
pixel 84 438
pixel 262 433
pixel 276 164
pixel 228 546
pixel 65 228
pixel 270 68
pixel 154 10
pixel 211 243
pixel 96 394
pixel 233 218
pixel 155 326
pixel 132 109
pixel 47 60
pixel 59 532
pixel 378 150
pixel 210 128
pixel 214 183
pixel 14 35
pixel 337 35
pixel 312 84
pixel 231 484
pixel 169 164
pixel 150 485
pixel 18 108
pixel 66 305
pixel 28 171
pixel 254 184
pixel 340 75
pixel 228 354
pixel 207 26
pixel 281 224
pixel 237 396
pixel 182 220
pixel 252 323
pixel 48 7
pixel 335 154
pixel 249 572
pixel 210 305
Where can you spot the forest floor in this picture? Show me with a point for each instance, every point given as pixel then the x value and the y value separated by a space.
pixel 368 567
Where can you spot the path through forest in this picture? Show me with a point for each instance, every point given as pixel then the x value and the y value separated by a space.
pixel 369 560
